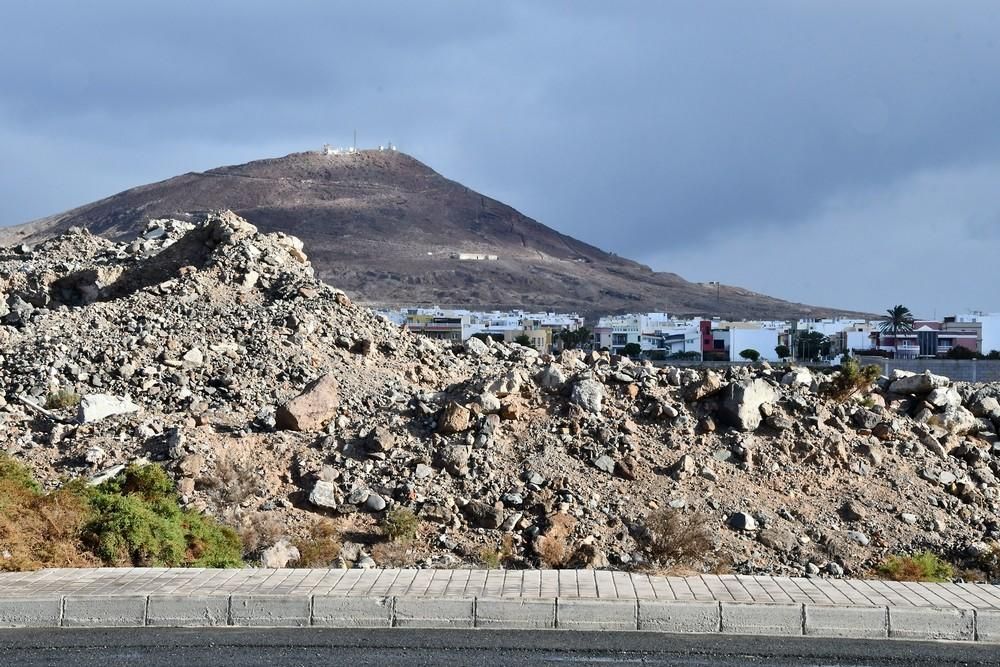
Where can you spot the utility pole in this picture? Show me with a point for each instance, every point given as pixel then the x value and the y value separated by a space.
pixel 355 141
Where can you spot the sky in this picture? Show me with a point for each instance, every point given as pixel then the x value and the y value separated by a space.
pixel 841 153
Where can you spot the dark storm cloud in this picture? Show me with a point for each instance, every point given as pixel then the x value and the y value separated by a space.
pixel 680 133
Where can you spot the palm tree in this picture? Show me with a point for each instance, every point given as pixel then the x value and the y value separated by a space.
pixel 897 320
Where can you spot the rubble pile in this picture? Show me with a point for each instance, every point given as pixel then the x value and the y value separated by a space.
pixel 213 349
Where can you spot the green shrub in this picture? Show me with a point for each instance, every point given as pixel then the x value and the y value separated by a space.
pixel 64 398
pixel 138 522
pixel 400 525
pixel 750 354
pixel 923 566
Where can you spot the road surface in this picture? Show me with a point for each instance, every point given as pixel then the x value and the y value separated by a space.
pixel 246 647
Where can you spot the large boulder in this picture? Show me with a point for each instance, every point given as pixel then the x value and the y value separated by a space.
pixel 742 403
pixel 709 384
pixel 919 385
pixel 95 407
pixel 589 395
pixel 956 420
pixel 944 397
pixel 313 408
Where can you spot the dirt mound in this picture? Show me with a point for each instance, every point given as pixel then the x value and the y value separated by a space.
pixel 274 401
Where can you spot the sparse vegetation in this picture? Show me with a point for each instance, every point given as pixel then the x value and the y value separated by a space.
pixel 851 379
pixel 494 558
pixel 62 399
pixel 676 537
pixel 322 547
pixel 923 566
pixel 133 519
pixel 400 525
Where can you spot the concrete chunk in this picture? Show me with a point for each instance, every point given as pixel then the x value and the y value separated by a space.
pixel 597 615
pixel 276 611
pixel 931 623
pixel 848 622
pixel 37 612
pixel 679 617
pixel 180 611
pixel 761 619
pixel 342 612
pixel 435 613
pixel 104 611
pixel 516 614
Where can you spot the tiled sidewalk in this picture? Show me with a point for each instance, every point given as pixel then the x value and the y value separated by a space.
pixel 574 599
pixel 596 584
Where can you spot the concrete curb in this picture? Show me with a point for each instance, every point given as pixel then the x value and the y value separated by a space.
pixel 330 611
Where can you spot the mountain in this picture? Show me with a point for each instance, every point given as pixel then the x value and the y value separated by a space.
pixel 388 230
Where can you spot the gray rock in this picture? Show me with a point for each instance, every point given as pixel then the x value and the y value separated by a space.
pixel 858 536
pixel 423 471
pixel 324 494
pixel 605 463
pixel 374 502
pixel 742 403
pixel 551 377
pixel 908 518
pixel 835 569
pixel 943 397
pixel 742 521
pixel 483 515
pixel 455 459
pixel 778 539
pixel 476 348
pixel 919 385
pixel 95 407
pixel 589 395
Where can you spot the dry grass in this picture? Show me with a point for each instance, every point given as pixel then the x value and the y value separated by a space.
pixel 260 530
pixel 322 547
pixel 42 530
pixel 233 481
pixel 62 399
pixel 553 552
pixel 396 554
pixel 678 538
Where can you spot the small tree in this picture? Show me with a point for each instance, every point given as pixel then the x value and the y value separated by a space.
pixel 523 339
pixel 783 351
pixel 632 350
pixel 750 354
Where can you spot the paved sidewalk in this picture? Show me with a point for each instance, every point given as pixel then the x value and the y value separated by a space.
pixel 516 599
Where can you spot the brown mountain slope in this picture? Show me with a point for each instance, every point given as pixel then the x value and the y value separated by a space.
pixel 387 229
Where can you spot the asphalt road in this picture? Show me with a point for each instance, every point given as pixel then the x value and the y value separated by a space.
pixel 388 648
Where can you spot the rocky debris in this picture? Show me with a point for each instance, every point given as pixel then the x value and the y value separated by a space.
pixel 311 409
pixel 95 407
pixel 271 398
